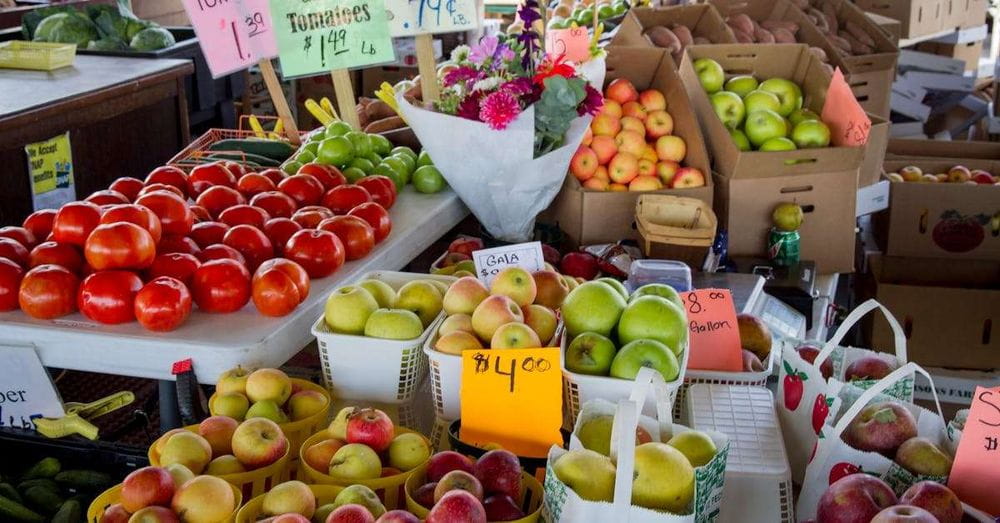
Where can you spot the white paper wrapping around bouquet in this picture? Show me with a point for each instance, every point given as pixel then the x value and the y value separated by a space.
pixel 494 172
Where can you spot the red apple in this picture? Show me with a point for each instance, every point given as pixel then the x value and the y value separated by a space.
pixel 579 264
pixel 465 245
pixel 115 514
pixel 904 514
pixel 853 499
pixel 502 508
pixel 444 462
pixel 371 427
pixel 881 427
pixel 622 91
pixel 147 486
pixel 458 480
pixel 425 494
pixel 397 516
pixel 350 513
pixel 868 368
pixel 457 506
pixel 686 177
pixel 288 518
pixel 154 514
pixel 809 353
pixel 983 178
pixel 499 471
pixel 935 498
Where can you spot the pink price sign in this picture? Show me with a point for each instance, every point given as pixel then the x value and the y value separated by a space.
pixel 573 42
pixel 233 34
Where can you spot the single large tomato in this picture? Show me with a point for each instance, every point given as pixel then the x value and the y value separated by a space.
pixel 177 265
pixel 137 214
pixel 218 198
pixel 276 203
pixel 48 291
pixel 279 230
pixel 163 304
pixel 121 245
pixel 303 188
pixel 14 251
pixel 55 253
pixel 294 271
pixel 252 243
pixel 169 175
pixel 199 187
pixel 342 199
pixel 328 175
pixel 382 189
pixel 221 286
pixel 310 216
pixel 274 174
pixel 200 213
pixel 173 212
pixel 244 215
pixel 252 184
pixel 109 296
pixel 235 168
pixel 39 223
pixel 154 187
pixel 107 197
pixel 274 293
pixel 221 252
pixel 74 221
pixel 128 186
pixel 171 243
pixel 376 216
pixel 20 235
pixel 10 282
pixel 208 233
pixel 214 173
pixel 320 253
pixel 357 236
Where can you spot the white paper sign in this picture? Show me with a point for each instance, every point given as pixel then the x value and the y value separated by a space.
pixel 489 262
pixel 413 17
pixel 26 392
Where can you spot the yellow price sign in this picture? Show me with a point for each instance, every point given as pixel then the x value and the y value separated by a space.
pixel 512 398
pixel 50 166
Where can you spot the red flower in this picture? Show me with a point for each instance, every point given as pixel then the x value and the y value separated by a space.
pixel 499 109
pixel 549 68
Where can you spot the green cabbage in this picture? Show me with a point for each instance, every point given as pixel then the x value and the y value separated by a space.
pixel 107 44
pixel 66 28
pixel 152 39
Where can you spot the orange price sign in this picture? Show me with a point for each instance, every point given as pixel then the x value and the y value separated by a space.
pixel 975 472
pixel 848 123
pixel 714 337
pixel 573 42
pixel 513 398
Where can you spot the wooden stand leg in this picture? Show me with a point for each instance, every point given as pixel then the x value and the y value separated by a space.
pixel 427 67
pixel 278 98
pixel 345 97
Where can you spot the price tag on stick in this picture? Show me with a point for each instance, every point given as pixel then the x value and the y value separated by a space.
pixel 411 18
pixel 848 123
pixel 26 392
pixel 489 262
pixel 976 470
pixel 512 397
pixel 573 42
pixel 233 34
pixel 714 336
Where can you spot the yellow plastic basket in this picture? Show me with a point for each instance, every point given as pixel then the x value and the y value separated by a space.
pixel 250 512
pixel 114 494
pixel 388 488
pixel 40 56
pixel 530 500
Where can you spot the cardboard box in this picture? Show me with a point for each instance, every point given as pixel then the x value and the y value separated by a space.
pixel 949 309
pixel 589 217
pixel 954 388
pixel 791 61
pixel 964 13
pixel 890 26
pixel 917 17
pixel 703 20
pixel 968 52
pixel 901 148
pixel 871 162
pixel 943 220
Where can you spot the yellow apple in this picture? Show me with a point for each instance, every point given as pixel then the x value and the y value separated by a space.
pixel 289 497
pixel 180 473
pixel 456 342
pixel 515 283
pixel 204 499
pixel 464 296
pixel 422 298
pixel 158 446
pixel 542 320
pixel 267 409
pixel 188 449
pixel 458 322
pixel 551 288
pixel 305 403
pixel 697 446
pixel 663 478
pixel 319 455
pixel 589 474
pixel 269 384
pixel 514 335
pixel 384 295
pixel 408 451
pixel 233 380
pixel 494 312
pixel 355 461
pixel 218 432
pixel 259 442
pixel 224 465
pixel 230 404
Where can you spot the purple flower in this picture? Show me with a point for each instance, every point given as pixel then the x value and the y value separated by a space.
pixel 483 50
pixel 498 109
pixel 519 86
pixel 592 103
pixel 461 74
pixel 468 108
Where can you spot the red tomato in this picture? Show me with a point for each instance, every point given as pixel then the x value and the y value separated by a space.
pixel 200 213
pixel 357 236
pixel 39 223
pixel 279 230
pixel 73 222
pixel 215 173
pixel 173 212
pixel 128 186
pixel 252 243
pixel 221 286
pixel 273 174
pixel 382 189
pixel 137 214
pixel 153 187
pixel 169 175
pixel 220 252
pixel 276 203
pixel 320 253
pixel 55 253
pixel 171 243
pixel 274 293
pixel 107 197
pixel 10 282
pixel 244 214
pixel 252 184
pixel 163 304
pixel 208 233
pixel 310 216
pixel 48 291
pixel 376 216
pixel 235 168
pixel 199 187
pixel 109 296
pixel 342 199
pixel 219 198
pixel 14 252
pixel 20 235
pixel 293 270
pixel 177 265
pixel 303 188
pixel 120 245
pixel 327 175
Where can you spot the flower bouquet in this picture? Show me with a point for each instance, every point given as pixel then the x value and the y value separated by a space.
pixel 507 124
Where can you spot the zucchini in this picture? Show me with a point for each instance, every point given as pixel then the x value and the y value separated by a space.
pixel 276 150
pixel 69 512
pixel 46 468
pixel 244 158
pixel 11 510
pixel 43 499
pixel 84 479
pixel 8 491
pixel 37 482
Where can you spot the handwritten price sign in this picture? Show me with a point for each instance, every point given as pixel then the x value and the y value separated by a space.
pixel 409 18
pixel 849 125
pixel 512 397
pixel 713 333
pixel 573 42
pixel 489 262
pixel 317 36
pixel 233 34
pixel 975 473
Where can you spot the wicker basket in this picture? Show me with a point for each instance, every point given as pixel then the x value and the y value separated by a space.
pixel 675 228
pixel 39 56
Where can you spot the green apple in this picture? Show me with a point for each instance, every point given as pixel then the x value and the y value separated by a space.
pixel 811 133
pixel 422 298
pixel 316 136
pixel 232 404
pixel 663 478
pixel 787 216
pixel 408 161
pixel 348 308
pixel 267 409
pixel 362 146
pixel 337 151
pixel 399 166
pixel 697 446
pixel 801 115
pixel 605 11
pixel 659 289
pixel 655 318
pixel 741 84
pixel 788 92
pixel 758 100
pixel 777 144
pixel 616 285
pixel 323 512
pixel 353 174
pixel 710 74
pixel 403 149
pixel 380 144
pixel 392 174
pixel 360 495
pixel 408 451
pixel 312 147
pixel 740 139
pixel 645 353
pixel 590 474
pixel 362 163
pixel 393 324
pixel 620 8
pixel 381 291
pixel 424 159
pixel 305 156
pixel 585 17
pixel 355 461
pixel 590 353
pixel 592 307
pixel 763 125
pixel 428 180
pixel 729 108
pixel 291 167
pixel 338 128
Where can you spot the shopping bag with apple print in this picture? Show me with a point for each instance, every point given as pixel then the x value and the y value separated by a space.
pixel 835 458
pixel 562 503
pixel 804 401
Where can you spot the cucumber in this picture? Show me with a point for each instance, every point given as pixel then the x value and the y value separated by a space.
pixel 8 491
pixel 37 482
pixel 245 158
pixel 11 510
pixel 84 479
pixel 46 468
pixel 273 149
pixel 43 499
pixel 69 512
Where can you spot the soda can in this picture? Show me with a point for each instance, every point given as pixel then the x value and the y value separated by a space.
pixel 783 247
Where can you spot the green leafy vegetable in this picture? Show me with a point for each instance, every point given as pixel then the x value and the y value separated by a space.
pixel 152 39
pixel 107 44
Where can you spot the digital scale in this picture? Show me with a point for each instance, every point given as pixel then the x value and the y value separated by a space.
pixel 750 298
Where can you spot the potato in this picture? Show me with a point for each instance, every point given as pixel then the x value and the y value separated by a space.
pixel 662 37
pixel 378 110
pixel 857 47
pixel 819 53
pixel 820 19
pixel 701 40
pixel 783 36
pixel 764 36
pixel 841 43
pixel 830 13
pixel 742 37
pixel 787 25
pixel 683 34
pixel 743 22
pixel 385 124
pixel 860 34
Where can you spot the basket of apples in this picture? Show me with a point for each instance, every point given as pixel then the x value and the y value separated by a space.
pixel 371 333
pixel 298 406
pixel 363 447
pixel 454 487
pixel 251 455
pixel 166 495
pixel 518 311
pixel 296 502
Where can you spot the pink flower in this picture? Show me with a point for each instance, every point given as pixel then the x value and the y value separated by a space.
pixel 498 109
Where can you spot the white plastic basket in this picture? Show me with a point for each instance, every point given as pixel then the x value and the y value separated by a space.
pixel 754 379
pixel 758 478
pixel 387 371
